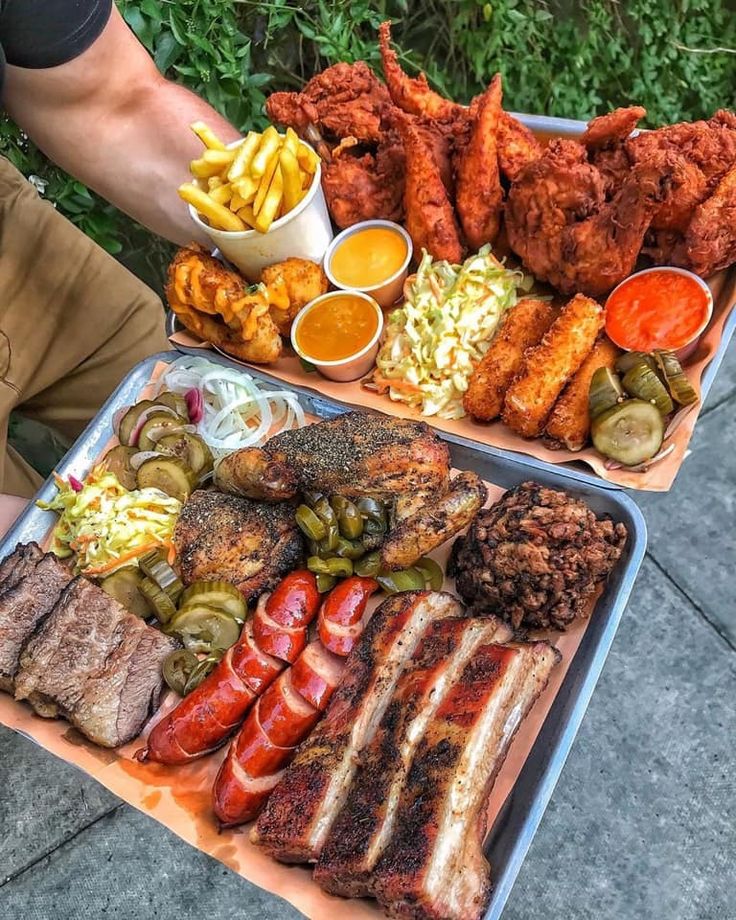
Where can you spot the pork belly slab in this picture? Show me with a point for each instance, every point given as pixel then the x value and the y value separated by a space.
pixel 298 816
pixel 95 664
pixel 31 586
pixel 433 866
pixel 366 823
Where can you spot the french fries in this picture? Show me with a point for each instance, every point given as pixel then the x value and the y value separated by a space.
pixel 251 185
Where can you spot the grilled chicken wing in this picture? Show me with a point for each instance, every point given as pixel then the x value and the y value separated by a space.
pixel 394 460
pixel 248 543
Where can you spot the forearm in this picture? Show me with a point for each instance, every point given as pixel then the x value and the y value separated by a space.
pixel 136 156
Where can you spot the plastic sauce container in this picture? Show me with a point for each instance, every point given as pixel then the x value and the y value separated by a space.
pixel 305 232
pixel 667 308
pixel 373 257
pixel 339 334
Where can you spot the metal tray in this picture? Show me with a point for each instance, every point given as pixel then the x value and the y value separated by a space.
pixel 512 834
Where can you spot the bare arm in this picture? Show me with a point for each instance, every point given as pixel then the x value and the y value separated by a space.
pixel 111 120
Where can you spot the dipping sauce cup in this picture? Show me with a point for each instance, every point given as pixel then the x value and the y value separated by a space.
pixel 339 334
pixel 372 257
pixel 304 232
pixel 663 307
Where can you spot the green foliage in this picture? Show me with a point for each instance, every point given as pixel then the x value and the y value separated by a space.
pixel 560 57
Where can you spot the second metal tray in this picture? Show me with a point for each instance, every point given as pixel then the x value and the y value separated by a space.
pixel 510 837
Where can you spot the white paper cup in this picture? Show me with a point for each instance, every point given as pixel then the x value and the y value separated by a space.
pixel 388 291
pixel 352 367
pixel 304 233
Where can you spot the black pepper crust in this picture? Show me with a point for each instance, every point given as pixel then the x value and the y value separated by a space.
pixel 535 557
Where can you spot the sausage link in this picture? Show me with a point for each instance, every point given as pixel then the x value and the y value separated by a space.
pixel 281 620
pixel 342 617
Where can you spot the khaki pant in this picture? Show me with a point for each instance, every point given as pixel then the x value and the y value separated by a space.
pixel 73 322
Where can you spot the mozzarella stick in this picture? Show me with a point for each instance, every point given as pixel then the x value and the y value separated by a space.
pixel 523 327
pixel 549 366
pixel 569 421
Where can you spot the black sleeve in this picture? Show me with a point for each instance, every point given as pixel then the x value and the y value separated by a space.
pixel 46 33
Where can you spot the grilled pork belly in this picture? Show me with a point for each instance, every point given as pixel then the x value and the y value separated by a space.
pixel 366 823
pixel 32 585
pixel 434 865
pixel 299 814
pixel 95 664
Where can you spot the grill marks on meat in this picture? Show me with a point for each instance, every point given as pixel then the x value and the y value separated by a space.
pixel 366 824
pixel 95 664
pixel 302 808
pixel 32 586
pixel 434 866
pixel 249 543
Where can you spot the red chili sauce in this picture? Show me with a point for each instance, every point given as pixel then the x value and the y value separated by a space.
pixel 661 309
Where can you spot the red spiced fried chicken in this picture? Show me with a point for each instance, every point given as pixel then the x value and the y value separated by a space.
pixel 535 558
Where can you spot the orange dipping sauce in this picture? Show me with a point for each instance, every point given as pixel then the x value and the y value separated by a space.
pixel 337 328
pixel 368 257
pixel 658 309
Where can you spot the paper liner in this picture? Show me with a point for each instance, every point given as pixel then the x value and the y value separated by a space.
pixel 658 478
pixel 180 797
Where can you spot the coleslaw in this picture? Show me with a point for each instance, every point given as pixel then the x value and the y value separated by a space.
pixel 107 526
pixel 443 330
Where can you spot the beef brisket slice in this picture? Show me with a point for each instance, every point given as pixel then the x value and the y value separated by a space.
pixel 34 586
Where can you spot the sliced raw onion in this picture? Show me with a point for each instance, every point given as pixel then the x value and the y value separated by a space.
pixel 237 411
pixel 137 460
pixel 158 432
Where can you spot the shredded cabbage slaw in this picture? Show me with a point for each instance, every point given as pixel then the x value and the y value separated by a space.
pixel 238 410
pixel 107 526
pixel 444 328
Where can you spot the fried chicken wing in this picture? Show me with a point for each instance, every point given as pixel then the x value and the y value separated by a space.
pixel 551 364
pixel 569 421
pixel 430 218
pixel 413 95
pixel 710 241
pixel 523 327
pixel 560 224
pixel 517 146
pixel 201 289
pixel 290 285
pixel 365 186
pixel 343 100
pixel 612 127
pixel 479 196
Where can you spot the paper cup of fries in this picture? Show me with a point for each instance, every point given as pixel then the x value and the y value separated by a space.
pixel 259 199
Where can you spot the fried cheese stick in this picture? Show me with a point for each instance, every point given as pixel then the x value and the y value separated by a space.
pixel 569 422
pixel 549 366
pixel 523 327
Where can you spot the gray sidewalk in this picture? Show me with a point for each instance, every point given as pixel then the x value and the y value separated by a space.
pixel 642 825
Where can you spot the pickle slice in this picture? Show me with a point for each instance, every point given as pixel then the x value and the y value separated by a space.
pixel 129 421
pixel 220 595
pixel 202 628
pixel 605 391
pixel 155 427
pixel 630 359
pixel 190 448
pixel 177 669
pixel 630 432
pixel 169 475
pixel 117 461
pixel 159 571
pixel 160 602
pixel 681 390
pixel 641 382
pixel 175 402
pixel 124 585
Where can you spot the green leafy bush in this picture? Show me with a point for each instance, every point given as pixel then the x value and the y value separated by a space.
pixel 565 58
